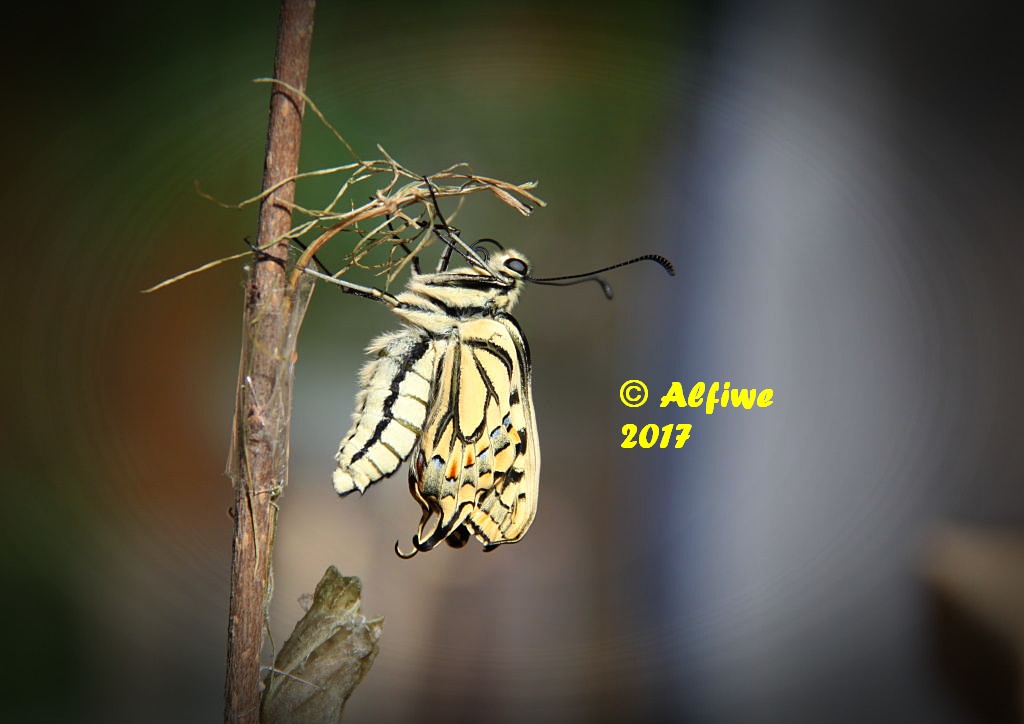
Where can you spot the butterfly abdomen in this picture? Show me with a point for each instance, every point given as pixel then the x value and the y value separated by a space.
pixel 390 409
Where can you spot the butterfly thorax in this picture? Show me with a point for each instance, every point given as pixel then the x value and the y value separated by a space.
pixel 438 301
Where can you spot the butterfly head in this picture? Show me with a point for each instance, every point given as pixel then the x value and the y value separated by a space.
pixel 510 269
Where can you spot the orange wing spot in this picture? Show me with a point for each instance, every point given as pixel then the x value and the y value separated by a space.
pixel 453 469
pixel 470 458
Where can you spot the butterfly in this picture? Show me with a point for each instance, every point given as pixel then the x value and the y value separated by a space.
pixel 451 391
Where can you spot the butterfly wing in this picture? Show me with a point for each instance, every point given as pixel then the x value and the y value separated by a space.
pixel 478 465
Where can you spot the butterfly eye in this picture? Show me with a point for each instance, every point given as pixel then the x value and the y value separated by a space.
pixel 518 266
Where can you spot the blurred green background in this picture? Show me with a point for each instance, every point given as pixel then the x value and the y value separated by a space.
pixel 840 189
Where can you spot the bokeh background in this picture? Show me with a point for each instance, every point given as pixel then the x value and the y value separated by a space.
pixel 839 185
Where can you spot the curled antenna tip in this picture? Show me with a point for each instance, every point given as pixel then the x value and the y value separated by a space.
pixel 662 261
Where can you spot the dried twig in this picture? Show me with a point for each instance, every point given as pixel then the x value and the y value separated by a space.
pixel 387 203
pixel 259 456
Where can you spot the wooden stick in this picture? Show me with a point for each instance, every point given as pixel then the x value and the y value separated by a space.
pixel 259 456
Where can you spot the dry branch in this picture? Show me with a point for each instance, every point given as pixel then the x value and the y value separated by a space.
pixel 259 457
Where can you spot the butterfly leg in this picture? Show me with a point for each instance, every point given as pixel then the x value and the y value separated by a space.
pixel 377 295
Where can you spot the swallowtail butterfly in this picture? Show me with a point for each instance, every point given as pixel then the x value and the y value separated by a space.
pixel 452 389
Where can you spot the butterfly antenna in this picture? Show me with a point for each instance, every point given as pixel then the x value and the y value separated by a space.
pixel 592 276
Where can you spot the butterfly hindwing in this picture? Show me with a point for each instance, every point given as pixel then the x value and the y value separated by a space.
pixel 477 466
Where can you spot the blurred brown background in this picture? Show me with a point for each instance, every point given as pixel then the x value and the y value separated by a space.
pixel 840 188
